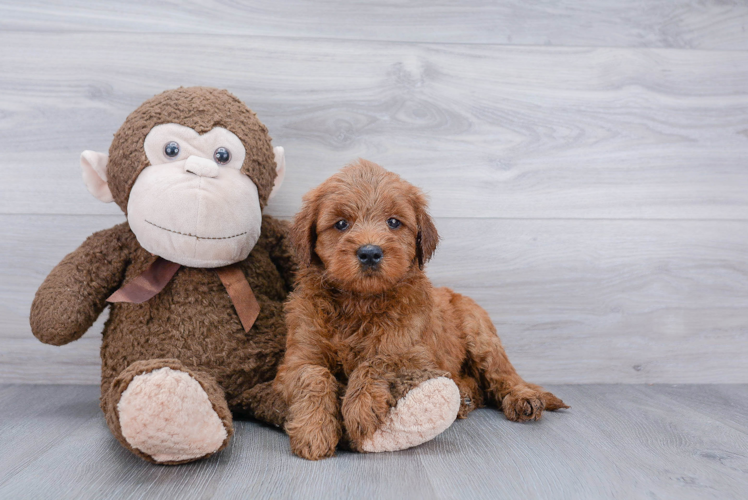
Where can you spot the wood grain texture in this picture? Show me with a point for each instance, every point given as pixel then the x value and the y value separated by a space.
pixel 488 131
pixel 689 24
pixel 585 161
pixel 617 441
pixel 575 301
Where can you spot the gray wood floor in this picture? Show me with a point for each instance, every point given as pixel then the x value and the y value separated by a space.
pixel 617 441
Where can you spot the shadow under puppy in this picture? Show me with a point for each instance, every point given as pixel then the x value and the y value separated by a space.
pixel 376 356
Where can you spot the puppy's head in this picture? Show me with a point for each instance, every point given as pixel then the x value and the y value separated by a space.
pixel 365 227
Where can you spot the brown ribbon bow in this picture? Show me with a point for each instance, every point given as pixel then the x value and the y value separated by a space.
pixel 151 281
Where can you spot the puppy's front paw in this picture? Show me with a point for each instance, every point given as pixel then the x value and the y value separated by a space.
pixel 363 413
pixel 361 423
pixel 315 444
pixel 523 405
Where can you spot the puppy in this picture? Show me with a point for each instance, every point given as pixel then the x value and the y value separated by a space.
pixel 364 316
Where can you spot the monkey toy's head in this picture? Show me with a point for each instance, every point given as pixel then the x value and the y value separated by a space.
pixel 192 169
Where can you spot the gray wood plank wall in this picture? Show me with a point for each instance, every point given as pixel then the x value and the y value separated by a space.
pixel 586 161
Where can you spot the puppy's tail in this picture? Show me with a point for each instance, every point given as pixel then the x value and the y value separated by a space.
pixel 552 403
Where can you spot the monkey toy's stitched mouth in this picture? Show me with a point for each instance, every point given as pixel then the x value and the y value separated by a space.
pixel 194 235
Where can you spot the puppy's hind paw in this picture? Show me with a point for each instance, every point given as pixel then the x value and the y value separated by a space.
pixel 528 404
pixel 521 407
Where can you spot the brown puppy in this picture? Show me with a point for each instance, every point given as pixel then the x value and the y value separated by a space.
pixel 364 312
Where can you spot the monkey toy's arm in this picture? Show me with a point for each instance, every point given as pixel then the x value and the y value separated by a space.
pixel 279 247
pixel 75 292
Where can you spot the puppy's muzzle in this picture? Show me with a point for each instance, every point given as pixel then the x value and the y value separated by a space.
pixel 370 256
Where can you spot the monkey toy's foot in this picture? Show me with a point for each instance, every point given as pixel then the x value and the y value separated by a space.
pixel 168 415
pixel 422 414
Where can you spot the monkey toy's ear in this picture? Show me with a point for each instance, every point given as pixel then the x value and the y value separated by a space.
pixel 280 168
pixel 93 165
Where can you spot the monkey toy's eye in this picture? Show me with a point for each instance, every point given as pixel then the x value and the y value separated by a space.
pixel 393 223
pixel 171 149
pixel 341 225
pixel 222 155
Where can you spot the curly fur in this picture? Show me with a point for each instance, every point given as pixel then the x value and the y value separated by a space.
pixel 356 336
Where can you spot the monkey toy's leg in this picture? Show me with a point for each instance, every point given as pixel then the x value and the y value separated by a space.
pixel 421 404
pixel 167 414
pixel 262 402
pixel 520 400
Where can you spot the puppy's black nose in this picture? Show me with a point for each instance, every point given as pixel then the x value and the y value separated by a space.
pixel 369 255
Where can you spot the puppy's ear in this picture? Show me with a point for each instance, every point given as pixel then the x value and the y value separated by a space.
pixel 427 238
pixel 303 233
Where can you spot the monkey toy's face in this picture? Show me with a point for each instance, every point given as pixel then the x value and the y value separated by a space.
pixel 193 205
pixel 193 200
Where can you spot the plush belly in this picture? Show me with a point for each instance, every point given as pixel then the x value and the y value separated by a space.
pixel 200 329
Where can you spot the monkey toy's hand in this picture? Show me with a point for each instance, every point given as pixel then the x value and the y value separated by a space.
pixel 75 292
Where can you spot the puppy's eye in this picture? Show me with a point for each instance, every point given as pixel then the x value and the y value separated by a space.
pixel 171 149
pixel 222 156
pixel 393 223
pixel 341 225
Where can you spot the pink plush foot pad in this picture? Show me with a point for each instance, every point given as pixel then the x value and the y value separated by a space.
pixel 167 415
pixel 420 416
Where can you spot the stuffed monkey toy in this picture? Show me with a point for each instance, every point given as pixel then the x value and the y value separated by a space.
pixel 195 278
